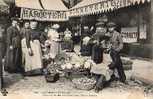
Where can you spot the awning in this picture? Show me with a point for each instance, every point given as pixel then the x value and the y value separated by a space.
pixel 4 8
pixel 33 4
pixel 88 7
pixel 42 10
pixel 56 5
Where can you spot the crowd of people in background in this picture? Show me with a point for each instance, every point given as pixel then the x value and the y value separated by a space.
pixel 24 46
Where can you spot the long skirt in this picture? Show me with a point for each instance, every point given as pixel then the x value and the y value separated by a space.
pixel 33 62
pixel 24 49
pixel 13 60
pixel 55 49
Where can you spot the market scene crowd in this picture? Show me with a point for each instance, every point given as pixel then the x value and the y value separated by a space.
pixel 33 52
pixel 91 44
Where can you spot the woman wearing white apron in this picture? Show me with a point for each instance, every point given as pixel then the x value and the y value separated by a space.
pixel 33 61
pixel 53 36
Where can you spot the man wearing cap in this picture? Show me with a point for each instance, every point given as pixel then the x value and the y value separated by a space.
pixel 100 31
pixel 13 55
pixel 97 49
pixel 116 46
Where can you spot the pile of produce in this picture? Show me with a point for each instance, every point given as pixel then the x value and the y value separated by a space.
pixel 84 83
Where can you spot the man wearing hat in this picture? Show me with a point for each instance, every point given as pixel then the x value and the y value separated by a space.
pixel 97 50
pixel 13 54
pixel 116 46
pixel 100 31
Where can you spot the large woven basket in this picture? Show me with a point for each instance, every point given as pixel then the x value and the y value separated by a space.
pixel 83 86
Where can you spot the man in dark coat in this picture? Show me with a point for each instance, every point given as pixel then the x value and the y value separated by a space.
pixel 13 55
pixel 116 46
pixel 97 49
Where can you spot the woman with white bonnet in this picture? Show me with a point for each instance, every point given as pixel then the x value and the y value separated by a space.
pixel 54 39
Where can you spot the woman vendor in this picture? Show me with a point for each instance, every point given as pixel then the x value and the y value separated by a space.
pixel 33 59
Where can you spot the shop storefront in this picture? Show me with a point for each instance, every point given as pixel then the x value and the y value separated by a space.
pixel 131 15
pixel 46 12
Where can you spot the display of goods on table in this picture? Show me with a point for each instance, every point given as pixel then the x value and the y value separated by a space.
pixel 84 83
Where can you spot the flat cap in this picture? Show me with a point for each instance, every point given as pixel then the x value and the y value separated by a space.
pixel 111 24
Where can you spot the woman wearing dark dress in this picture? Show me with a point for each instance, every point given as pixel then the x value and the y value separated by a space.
pixel 33 57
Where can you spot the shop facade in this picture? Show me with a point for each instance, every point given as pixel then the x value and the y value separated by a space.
pixel 46 12
pixel 131 15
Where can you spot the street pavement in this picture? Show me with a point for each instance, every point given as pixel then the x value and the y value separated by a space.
pixel 142 71
pixel 17 85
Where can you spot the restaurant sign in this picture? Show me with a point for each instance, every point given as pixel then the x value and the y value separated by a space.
pixel 43 15
pixel 102 6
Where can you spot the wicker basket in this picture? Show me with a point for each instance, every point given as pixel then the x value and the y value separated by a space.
pixel 87 86
pixel 52 77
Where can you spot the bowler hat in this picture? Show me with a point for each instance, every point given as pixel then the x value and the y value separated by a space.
pixel 111 24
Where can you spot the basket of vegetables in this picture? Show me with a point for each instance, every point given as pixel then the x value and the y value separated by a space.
pixel 51 74
pixel 84 83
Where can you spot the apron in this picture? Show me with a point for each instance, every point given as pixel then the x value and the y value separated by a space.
pixel 33 62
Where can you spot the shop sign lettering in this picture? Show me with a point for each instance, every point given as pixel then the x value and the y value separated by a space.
pixel 43 15
pixel 101 6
